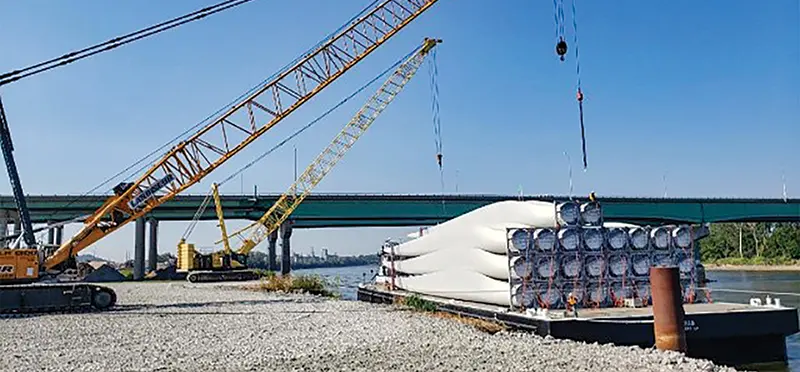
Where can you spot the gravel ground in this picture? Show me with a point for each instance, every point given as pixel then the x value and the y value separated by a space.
pixel 212 327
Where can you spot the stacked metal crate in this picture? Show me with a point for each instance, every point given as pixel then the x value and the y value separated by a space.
pixel 600 266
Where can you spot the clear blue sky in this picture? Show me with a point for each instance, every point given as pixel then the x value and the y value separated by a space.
pixel 702 94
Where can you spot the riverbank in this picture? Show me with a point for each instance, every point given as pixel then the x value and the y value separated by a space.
pixel 214 327
pixel 764 268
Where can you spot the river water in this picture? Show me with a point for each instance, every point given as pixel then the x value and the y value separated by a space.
pixel 724 288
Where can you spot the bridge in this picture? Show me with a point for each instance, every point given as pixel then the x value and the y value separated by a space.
pixel 362 210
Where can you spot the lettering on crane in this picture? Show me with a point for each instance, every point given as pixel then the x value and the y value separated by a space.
pixel 148 193
pixel 6 269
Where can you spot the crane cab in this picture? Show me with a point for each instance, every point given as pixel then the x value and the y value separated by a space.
pixel 18 265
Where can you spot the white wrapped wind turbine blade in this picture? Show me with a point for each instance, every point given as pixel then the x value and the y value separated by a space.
pixel 490 264
pixel 457 284
pixel 483 228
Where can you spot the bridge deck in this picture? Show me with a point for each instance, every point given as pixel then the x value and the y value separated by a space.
pixel 332 210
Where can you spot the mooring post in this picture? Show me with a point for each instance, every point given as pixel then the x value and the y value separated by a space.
pixel 667 309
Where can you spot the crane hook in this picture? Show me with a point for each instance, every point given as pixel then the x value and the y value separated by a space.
pixel 561 48
pixel 439 159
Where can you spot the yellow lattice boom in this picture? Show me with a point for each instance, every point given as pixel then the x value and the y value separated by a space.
pixel 226 135
pixel 327 159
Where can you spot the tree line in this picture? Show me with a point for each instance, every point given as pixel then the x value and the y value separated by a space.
pixel 751 243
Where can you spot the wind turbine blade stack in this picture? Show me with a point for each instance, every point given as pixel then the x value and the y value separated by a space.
pixel 533 254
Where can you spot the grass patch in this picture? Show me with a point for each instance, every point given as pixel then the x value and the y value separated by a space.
pixel 264 274
pixel 311 284
pixel 127 273
pixel 420 304
pixel 417 303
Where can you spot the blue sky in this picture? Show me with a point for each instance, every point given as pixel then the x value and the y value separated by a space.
pixel 702 95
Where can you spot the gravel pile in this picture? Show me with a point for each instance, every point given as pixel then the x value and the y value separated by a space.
pixel 212 327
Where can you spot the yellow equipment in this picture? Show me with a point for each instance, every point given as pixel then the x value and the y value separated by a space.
pixel 222 138
pixel 220 265
pixel 192 159
pixel 314 173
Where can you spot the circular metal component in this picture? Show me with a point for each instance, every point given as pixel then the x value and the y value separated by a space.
pixel 638 238
pixel 593 239
pixel 103 298
pixel 524 295
pixel 571 266
pixel 550 297
pixel 682 236
pixel 521 239
pixel 591 213
pixel 617 238
pixel 685 264
pixel 662 260
pixel 570 238
pixel 621 290
pixel 642 290
pixel 641 264
pixel 595 266
pixel 522 267
pixel 546 267
pixel 597 293
pixel 544 240
pixel 660 237
pixel 569 212
pixel 618 264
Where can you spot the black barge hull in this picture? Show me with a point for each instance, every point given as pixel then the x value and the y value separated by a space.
pixel 725 333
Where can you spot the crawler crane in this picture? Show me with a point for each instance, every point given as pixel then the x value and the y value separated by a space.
pixel 232 265
pixel 189 161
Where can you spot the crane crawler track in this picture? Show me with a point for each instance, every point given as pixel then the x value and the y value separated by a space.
pixel 22 299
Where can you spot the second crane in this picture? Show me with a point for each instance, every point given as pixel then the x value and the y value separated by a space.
pixel 231 264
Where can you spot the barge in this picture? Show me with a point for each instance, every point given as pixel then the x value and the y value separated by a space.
pixel 725 333
pixel 523 263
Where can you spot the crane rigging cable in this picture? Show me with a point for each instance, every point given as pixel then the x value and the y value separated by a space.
pixel 206 120
pixel 77 55
pixel 433 71
pixel 579 94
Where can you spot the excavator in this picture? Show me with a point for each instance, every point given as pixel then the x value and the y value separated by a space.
pixel 230 265
pixel 186 163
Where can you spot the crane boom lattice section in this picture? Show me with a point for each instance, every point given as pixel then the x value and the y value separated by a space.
pixel 192 159
pixel 327 159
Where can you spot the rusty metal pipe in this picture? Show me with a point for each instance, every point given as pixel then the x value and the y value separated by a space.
pixel 667 309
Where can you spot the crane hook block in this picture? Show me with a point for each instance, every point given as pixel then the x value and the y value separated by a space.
pixel 561 48
pixel 579 96
pixel 439 159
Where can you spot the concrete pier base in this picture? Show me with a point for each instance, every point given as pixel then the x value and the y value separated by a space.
pixel 138 250
pixel 271 254
pixel 286 252
pixel 152 254
pixel 59 235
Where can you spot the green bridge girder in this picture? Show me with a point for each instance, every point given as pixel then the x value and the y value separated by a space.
pixel 356 210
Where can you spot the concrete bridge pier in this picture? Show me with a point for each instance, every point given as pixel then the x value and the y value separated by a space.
pixel 59 234
pixel 138 250
pixel 153 248
pixel 51 234
pixel 3 223
pixel 286 252
pixel 273 242
pixel 17 225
